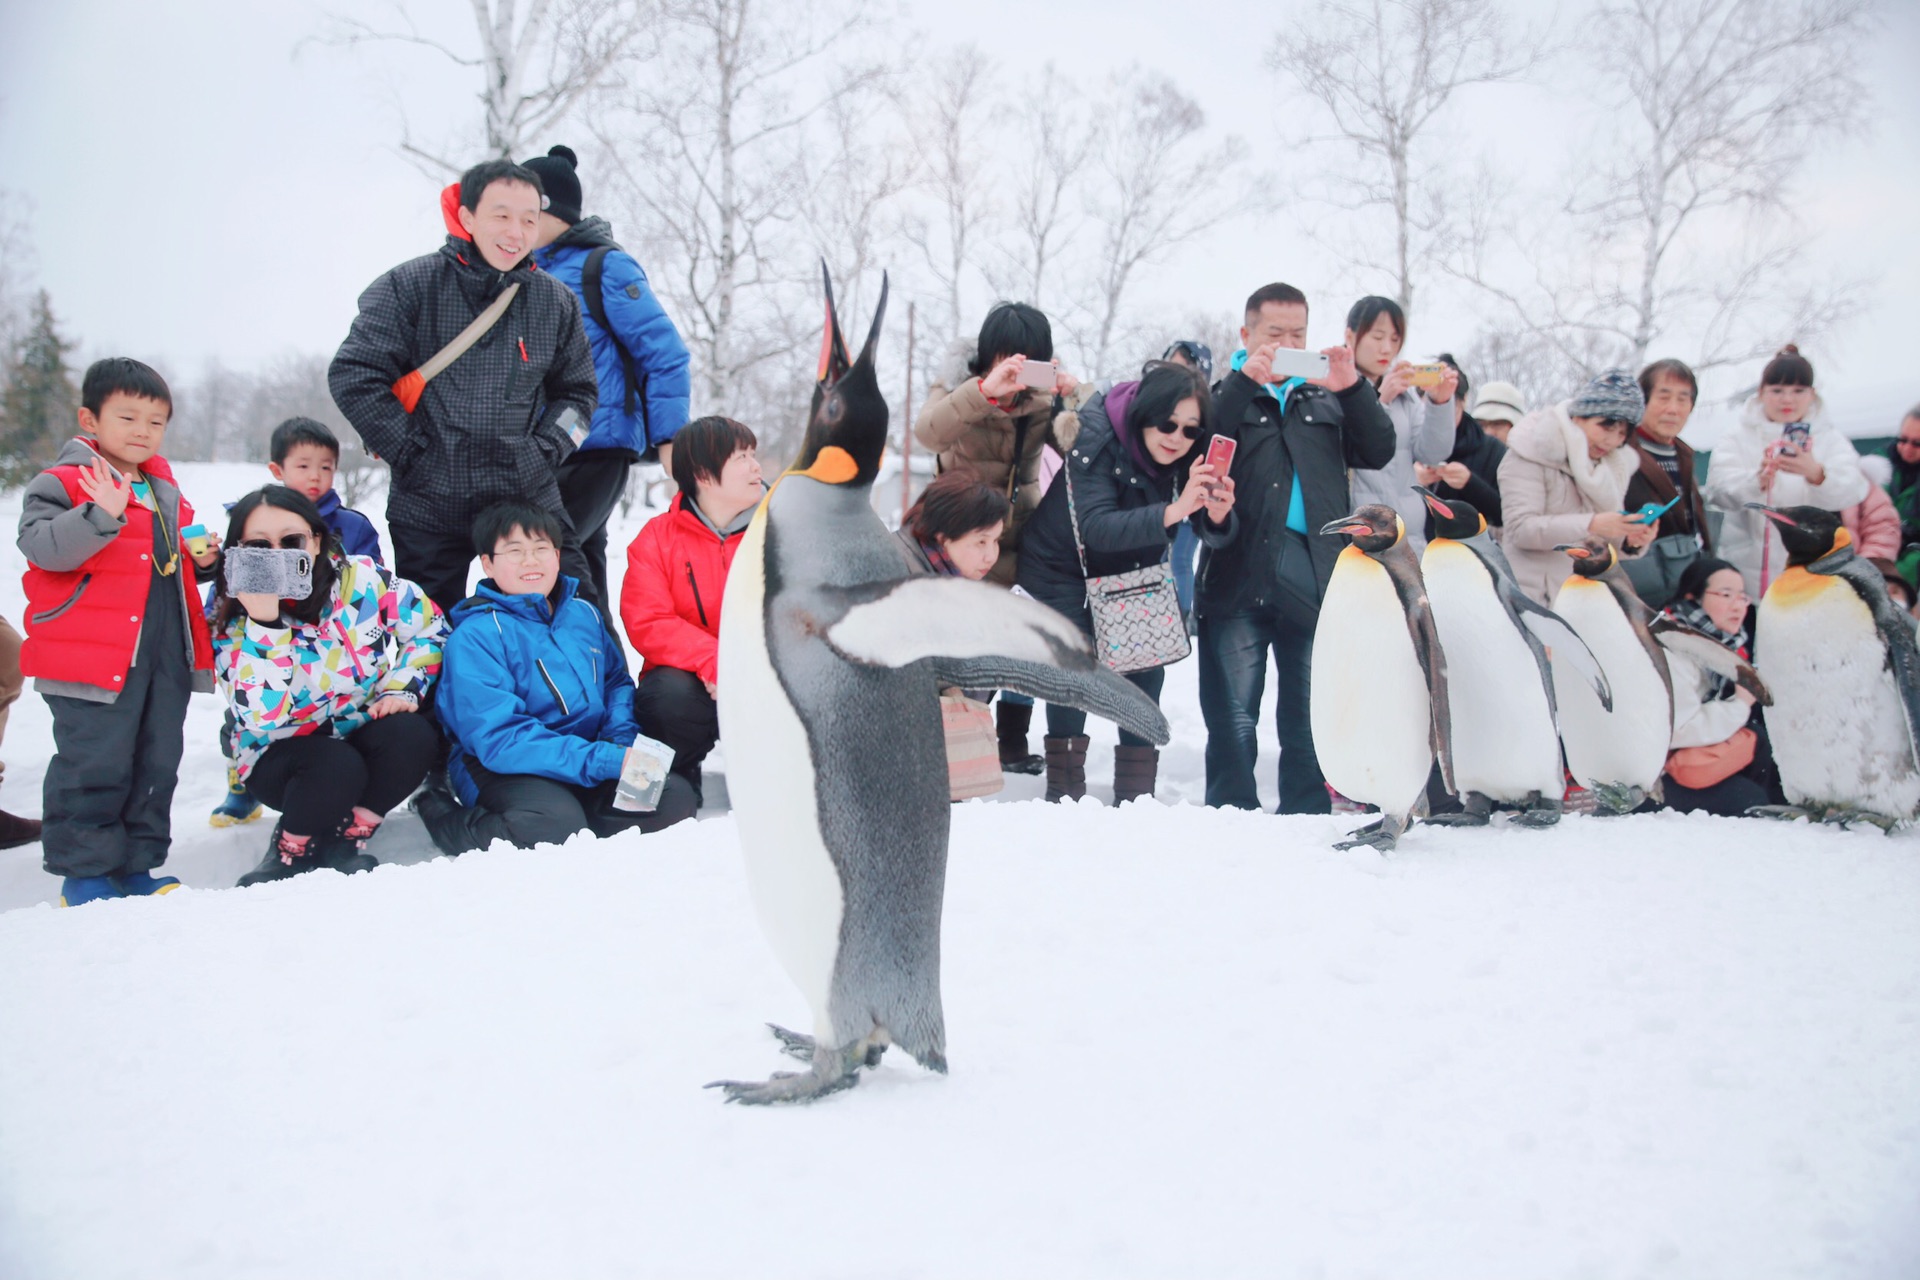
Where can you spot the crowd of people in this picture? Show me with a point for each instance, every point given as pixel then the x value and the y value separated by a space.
pixel 512 379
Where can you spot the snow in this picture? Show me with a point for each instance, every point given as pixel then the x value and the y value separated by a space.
pixel 1184 1042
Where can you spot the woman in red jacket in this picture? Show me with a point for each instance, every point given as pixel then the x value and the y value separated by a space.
pixel 676 576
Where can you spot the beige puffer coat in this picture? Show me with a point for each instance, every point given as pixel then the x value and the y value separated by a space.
pixel 1549 491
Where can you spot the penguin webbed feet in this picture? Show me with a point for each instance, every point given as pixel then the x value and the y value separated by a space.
pixel 1617 798
pixel 1541 811
pixel 1842 816
pixel 786 1086
pixel 1475 811
pixel 796 1045
pixel 1382 834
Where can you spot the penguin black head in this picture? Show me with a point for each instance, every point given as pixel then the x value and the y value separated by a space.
pixel 1591 556
pixel 1374 527
pixel 847 429
pixel 1808 533
pixel 1452 518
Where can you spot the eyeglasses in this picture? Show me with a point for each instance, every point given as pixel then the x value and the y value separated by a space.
pixel 288 542
pixel 523 554
pixel 1727 595
pixel 1169 427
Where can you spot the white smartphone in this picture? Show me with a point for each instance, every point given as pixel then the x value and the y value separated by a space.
pixel 1038 374
pixel 1289 363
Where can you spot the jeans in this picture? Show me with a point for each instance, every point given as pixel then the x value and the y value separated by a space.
pixel 1070 722
pixel 1233 676
pixel 1186 545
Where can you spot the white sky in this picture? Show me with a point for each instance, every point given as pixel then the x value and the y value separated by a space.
pixel 200 191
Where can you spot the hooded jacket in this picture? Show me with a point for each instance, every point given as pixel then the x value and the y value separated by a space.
pixel 676 575
pixel 377 635
pixel 641 325
pixel 1550 490
pixel 355 532
pixel 534 687
pixel 1748 540
pixel 88 579
pixel 1120 498
pixel 501 418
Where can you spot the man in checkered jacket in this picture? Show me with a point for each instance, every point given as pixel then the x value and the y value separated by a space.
pixel 498 421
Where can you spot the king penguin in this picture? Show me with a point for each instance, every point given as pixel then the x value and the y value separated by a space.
pixel 1505 743
pixel 1378 701
pixel 1845 674
pixel 831 664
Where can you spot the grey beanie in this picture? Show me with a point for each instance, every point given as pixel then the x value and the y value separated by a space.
pixel 1612 393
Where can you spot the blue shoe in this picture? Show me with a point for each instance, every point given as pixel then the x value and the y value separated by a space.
pixel 236 808
pixel 145 884
pixel 77 891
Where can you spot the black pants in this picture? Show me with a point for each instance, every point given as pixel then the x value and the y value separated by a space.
pixel 1069 722
pixel 525 810
pixel 108 793
pixel 674 707
pixel 315 781
pixel 1233 677
pixel 438 560
pixel 1731 797
pixel 591 484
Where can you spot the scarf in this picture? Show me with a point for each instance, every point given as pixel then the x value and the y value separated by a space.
pixel 938 558
pixel 1694 614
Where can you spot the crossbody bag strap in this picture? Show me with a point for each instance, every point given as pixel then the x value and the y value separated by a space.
pixel 1073 515
pixel 410 386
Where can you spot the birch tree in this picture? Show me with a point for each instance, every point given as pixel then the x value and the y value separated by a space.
pixel 1053 150
pixel 949 126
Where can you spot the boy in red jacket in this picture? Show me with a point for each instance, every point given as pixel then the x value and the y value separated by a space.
pixel 116 641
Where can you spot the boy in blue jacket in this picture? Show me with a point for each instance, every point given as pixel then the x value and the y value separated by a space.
pixel 304 455
pixel 638 357
pixel 536 703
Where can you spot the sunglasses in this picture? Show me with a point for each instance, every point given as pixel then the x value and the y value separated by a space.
pixel 290 542
pixel 1905 443
pixel 1169 427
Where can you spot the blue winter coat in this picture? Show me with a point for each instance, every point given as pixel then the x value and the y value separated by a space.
pixel 356 534
pixel 659 355
pixel 526 688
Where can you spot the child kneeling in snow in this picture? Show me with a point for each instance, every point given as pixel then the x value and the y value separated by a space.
pixel 536 701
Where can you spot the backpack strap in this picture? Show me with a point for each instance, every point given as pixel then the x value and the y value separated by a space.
pixel 592 283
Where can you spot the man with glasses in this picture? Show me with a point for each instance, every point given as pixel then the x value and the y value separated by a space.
pixel 1666 478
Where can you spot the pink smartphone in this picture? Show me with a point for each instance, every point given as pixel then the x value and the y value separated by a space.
pixel 1220 454
pixel 1038 374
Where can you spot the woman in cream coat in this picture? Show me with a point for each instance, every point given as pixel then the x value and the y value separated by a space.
pixel 1565 477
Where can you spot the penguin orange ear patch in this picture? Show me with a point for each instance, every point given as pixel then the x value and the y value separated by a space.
pixel 833 465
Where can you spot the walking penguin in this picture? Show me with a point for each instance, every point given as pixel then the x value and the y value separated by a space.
pixel 832 659
pixel 1845 674
pixel 1379 680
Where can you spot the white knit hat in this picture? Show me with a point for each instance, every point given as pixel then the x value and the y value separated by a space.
pixel 1499 402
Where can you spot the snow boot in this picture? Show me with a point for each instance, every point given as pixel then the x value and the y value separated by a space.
pixel 1066 767
pixel 1134 770
pixel 145 884
pixel 446 821
pixel 1011 720
pixel 287 855
pixel 15 831
pixel 237 807
pixel 346 850
pixel 77 891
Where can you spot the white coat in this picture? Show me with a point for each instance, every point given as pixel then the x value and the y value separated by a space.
pixel 1733 480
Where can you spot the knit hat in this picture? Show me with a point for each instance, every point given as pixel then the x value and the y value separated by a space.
pixel 1500 402
pixel 559 178
pixel 1611 393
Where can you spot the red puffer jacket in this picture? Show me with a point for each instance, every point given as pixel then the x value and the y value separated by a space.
pixel 670 602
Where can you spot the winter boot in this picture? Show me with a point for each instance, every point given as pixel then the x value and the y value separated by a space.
pixel 15 832
pixel 446 822
pixel 237 807
pixel 1134 769
pixel 1011 721
pixel 346 850
pixel 77 891
pixel 1066 767
pixel 145 884
pixel 287 855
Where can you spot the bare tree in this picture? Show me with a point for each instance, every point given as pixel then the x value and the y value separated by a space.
pixel 536 59
pixel 1684 225
pixel 949 129
pixel 16 269
pixel 1057 137
pixel 1383 71
pixel 1153 188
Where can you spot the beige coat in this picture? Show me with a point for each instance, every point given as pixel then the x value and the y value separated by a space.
pixel 965 429
pixel 1549 490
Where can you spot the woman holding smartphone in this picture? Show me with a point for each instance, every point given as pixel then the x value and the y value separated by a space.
pixel 1785 453
pixel 1134 478
pixel 323 681
pixel 1422 415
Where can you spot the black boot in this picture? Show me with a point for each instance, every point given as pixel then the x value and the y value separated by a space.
pixel 284 859
pixel 1011 720
pixel 345 850
pixel 1134 770
pixel 446 822
pixel 1066 767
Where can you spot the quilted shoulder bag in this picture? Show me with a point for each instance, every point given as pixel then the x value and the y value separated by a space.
pixel 1137 623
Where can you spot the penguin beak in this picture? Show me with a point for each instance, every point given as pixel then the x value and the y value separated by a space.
pixel 1352 524
pixel 1433 502
pixel 1775 516
pixel 833 348
pixel 1575 550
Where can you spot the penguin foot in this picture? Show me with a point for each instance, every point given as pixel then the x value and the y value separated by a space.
pixel 1845 818
pixel 1617 798
pixel 795 1045
pixel 786 1086
pixel 1375 835
pixel 1464 818
pixel 1780 812
pixel 1542 816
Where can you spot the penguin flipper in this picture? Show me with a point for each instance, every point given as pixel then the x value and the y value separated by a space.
pixel 1093 689
pixel 1551 630
pixel 1704 651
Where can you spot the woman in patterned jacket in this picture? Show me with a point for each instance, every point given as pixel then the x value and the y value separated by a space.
pixel 324 691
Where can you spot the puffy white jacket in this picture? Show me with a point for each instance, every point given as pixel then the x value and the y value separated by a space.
pixel 1423 433
pixel 1699 721
pixel 1733 480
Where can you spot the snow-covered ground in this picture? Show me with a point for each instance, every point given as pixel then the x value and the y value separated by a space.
pixel 1184 1042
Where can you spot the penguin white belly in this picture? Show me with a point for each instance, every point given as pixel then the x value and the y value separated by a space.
pixel 795 886
pixel 1504 742
pixel 1629 744
pixel 1837 726
pixel 1371 716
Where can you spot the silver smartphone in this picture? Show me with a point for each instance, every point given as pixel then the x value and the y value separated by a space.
pixel 1290 363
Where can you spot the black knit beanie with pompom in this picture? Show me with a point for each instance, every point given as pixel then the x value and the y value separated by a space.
pixel 559 177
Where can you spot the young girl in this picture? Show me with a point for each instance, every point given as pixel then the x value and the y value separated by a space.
pixel 1422 421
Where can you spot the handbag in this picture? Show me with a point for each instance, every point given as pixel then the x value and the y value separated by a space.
pixel 1697 768
pixel 1137 620
pixel 1655 572
pixel 973 748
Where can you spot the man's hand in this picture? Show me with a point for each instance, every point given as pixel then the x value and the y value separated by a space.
pixel 105 487
pixel 1341 372
pixel 1259 365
